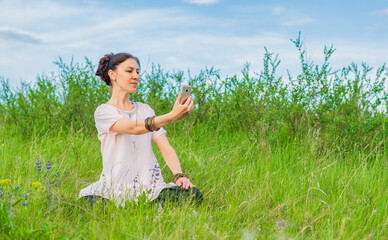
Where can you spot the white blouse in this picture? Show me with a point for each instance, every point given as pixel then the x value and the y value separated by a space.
pixel 130 167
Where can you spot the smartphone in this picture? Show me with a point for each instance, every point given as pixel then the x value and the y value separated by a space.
pixel 186 91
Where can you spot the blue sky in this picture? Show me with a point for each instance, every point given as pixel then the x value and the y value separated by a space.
pixel 188 34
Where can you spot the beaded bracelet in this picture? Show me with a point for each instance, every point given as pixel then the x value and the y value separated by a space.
pixel 149 124
pixel 152 126
pixel 179 175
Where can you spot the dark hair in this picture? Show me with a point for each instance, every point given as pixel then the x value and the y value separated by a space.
pixel 110 62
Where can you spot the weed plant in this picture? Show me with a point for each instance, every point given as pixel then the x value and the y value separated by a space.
pixel 346 106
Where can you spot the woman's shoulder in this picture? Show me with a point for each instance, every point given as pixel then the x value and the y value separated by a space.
pixel 105 108
pixel 144 107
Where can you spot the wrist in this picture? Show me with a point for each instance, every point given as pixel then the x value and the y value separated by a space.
pixel 179 175
pixel 171 117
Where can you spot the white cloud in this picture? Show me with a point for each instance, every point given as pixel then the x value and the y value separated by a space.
pixel 278 10
pixel 15 35
pixel 298 21
pixel 383 12
pixel 202 2
pixel 43 12
pixel 290 17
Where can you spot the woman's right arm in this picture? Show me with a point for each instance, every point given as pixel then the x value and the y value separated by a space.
pixel 180 110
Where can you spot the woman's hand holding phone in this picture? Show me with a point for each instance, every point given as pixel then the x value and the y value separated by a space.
pixel 181 110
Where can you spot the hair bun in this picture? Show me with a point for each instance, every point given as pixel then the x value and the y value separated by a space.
pixel 103 67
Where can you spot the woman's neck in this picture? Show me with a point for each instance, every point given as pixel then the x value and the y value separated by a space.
pixel 120 100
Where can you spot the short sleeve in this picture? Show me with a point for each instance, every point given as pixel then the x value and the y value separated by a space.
pixel 161 131
pixel 105 117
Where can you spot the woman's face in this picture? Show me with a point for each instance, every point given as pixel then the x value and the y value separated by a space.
pixel 126 76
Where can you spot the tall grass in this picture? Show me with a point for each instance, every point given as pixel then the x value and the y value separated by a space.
pixel 303 157
pixel 252 191
pixel 346 106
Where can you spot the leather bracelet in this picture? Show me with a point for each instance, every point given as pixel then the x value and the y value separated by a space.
pixel 179 175
pixel 152 126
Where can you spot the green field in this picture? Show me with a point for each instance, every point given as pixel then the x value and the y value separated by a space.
pixel 252 191
pixel 297 157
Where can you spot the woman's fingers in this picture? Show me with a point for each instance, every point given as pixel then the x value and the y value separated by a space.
pixel 184 183
pixel 188 101
pixel 185 100
pixel 178 99
pixel 189 104
pixel 181 110
pixel 179 182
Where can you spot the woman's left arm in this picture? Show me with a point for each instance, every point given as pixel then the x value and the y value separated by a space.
pixel 171 159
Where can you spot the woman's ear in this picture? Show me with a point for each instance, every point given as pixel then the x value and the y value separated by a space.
pixel 112 75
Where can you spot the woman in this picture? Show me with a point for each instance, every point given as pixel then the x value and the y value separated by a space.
pixel 126 130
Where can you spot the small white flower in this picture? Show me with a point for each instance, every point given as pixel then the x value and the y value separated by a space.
pixel 160 208
pixel 281 224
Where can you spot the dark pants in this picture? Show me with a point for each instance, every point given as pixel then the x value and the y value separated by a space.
pixel 174 194
pixel 178 194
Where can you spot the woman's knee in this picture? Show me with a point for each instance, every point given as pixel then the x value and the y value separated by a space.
pixel 179 193
pixel 197 195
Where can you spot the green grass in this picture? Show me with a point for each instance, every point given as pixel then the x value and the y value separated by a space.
pixel 303 157
pixel 252 190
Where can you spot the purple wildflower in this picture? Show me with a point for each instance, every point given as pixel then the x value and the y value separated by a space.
pixel 92 201
pixel 48 165
pixel 57 178
pixel 39 166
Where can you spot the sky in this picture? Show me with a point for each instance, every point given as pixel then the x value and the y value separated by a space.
pixel 188 34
